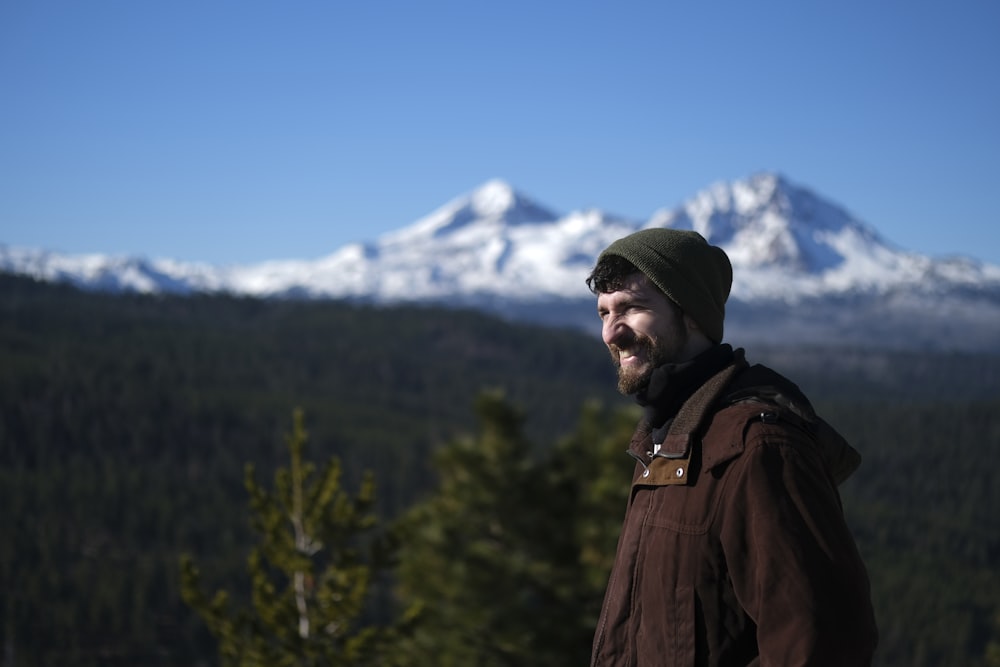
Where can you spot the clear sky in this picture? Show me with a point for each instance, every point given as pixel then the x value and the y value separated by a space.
pixel 235 131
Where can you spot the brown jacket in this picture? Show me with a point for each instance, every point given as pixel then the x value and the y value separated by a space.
pixel 734 548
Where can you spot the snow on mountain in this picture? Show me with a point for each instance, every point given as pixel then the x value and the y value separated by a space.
pixel 497 246
pixel 512 249
pixel 495 203
pixel 492 243
pixel 787 243
pixel 106 273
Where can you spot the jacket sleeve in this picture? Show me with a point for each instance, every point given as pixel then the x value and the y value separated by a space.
pixel 794 565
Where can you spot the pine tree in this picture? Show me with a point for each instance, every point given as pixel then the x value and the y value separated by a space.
pixel 593 455
pixel 309 580
pixel 497 569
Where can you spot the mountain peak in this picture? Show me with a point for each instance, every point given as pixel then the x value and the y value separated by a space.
pixel 495 202
pixel 493 199
pixel 767 221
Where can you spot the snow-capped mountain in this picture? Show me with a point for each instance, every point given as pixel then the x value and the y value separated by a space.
pixel 795 257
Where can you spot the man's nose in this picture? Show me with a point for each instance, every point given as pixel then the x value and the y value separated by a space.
pixel 613 331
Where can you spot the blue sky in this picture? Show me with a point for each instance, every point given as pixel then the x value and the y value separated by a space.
pixel 239 131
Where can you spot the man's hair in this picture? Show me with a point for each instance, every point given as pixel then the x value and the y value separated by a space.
pixel 610 274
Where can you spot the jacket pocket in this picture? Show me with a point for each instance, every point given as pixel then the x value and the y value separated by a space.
pixel 688 510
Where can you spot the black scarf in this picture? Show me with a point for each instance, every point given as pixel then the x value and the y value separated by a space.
pixel 672 384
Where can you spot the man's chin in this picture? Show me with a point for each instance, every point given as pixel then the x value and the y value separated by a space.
pixel 632 381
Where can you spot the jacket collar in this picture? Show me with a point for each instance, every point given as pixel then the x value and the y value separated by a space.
pixel 664 450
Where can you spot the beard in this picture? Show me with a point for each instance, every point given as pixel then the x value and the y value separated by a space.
pixel 634 379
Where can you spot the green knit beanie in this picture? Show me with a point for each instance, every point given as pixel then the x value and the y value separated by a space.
pixel 693 274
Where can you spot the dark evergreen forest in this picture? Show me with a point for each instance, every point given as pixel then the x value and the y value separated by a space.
pixel 126 422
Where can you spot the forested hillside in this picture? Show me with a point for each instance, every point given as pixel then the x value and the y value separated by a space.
pixel 126 421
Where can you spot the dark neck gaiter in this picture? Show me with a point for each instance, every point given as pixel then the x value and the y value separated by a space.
pixel 672 384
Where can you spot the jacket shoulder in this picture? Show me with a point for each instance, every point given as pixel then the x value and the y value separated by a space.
pixel 755 419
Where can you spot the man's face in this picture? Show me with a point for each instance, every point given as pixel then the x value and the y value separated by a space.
pixel 643 329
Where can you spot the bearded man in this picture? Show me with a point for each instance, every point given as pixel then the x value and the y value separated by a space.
pixel 734 549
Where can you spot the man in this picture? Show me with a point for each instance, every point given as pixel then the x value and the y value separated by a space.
pixel 734 549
